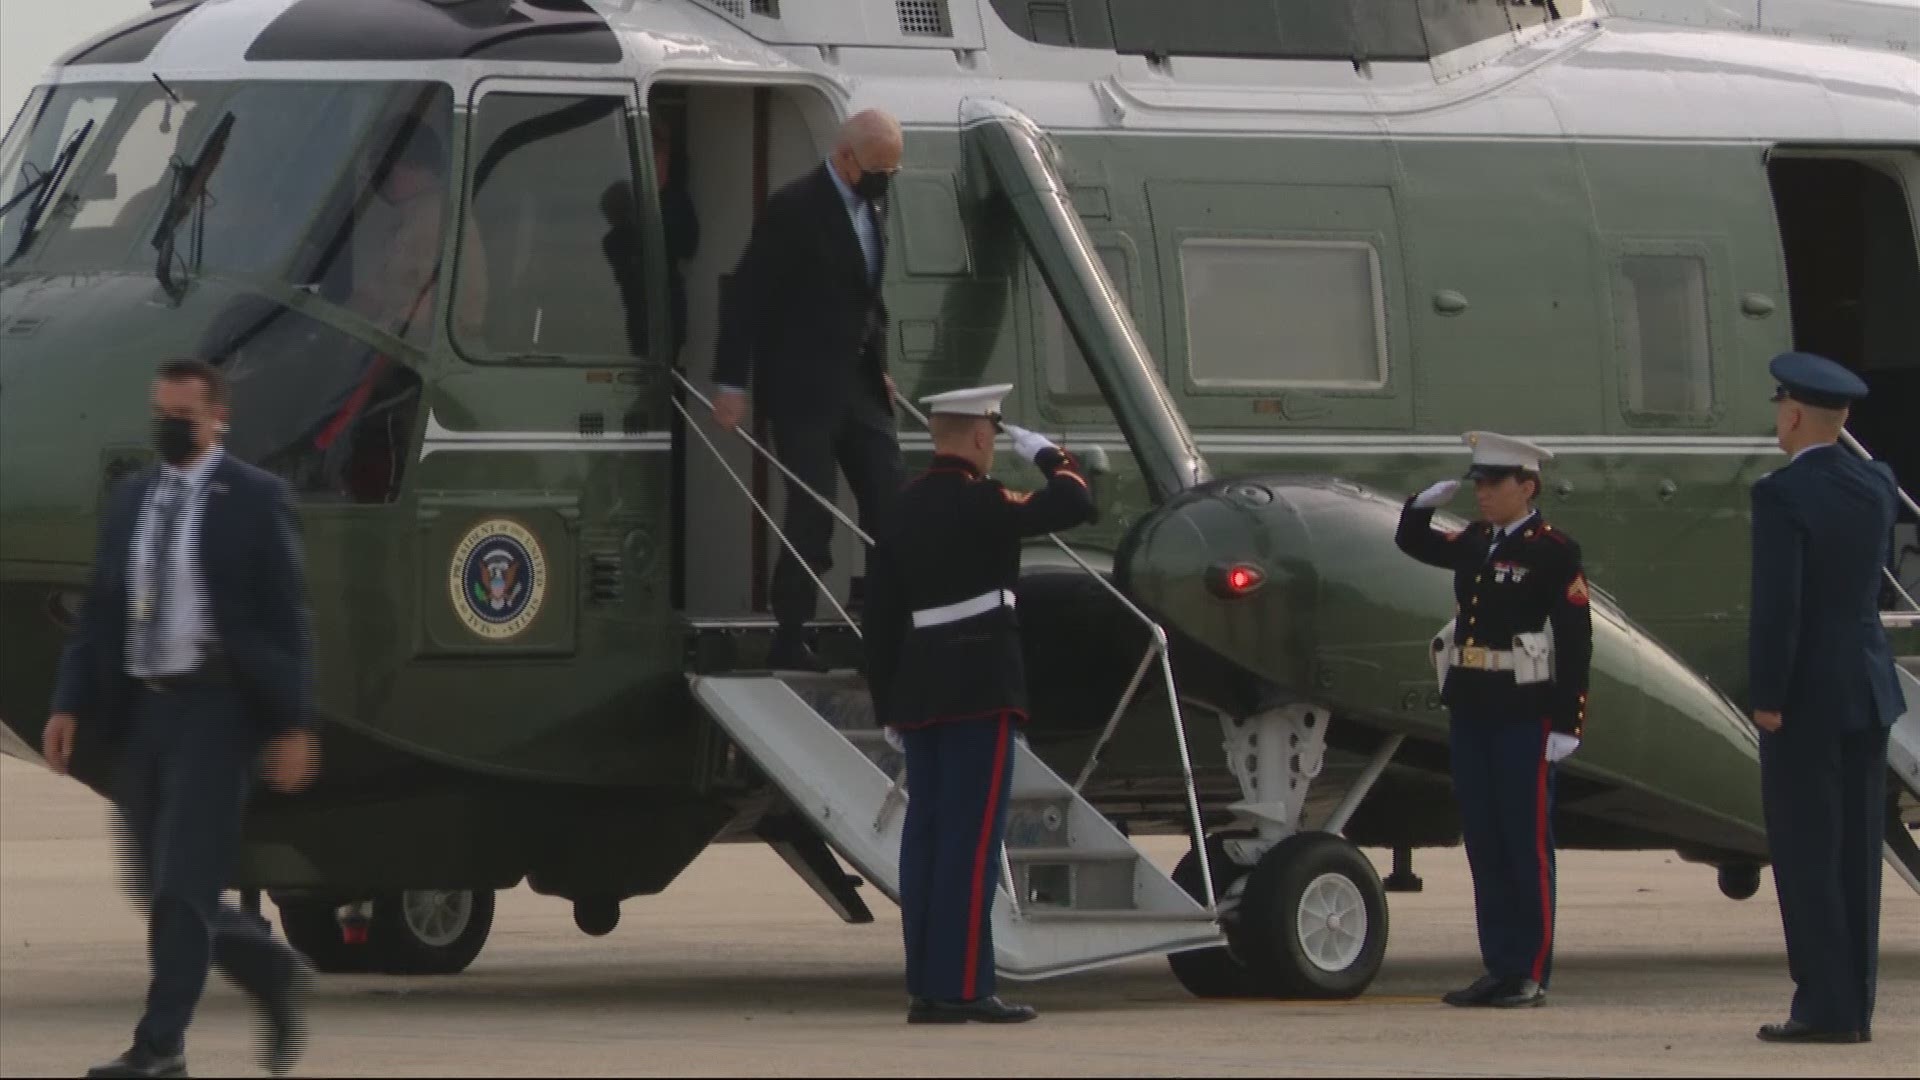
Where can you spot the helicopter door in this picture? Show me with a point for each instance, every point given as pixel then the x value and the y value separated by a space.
pixel 1848 227
pixel 730 147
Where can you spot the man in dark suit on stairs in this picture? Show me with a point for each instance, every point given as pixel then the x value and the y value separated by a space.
pixel 193 660
pixel 804 318
pixel 1824 695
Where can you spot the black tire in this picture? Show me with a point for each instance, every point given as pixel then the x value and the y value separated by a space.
pixel 596 916
pixel 1215 972
pixel 312 929
pixel 430 931
pixel 1293 882
pixel 1739 881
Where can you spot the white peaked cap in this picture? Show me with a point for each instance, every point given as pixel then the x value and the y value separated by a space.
pixel 981 401
pixel 1495 451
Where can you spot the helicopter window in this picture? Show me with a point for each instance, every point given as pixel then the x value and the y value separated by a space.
pixel 326 413
pixel 1264 312
pixel 1662 334
pixel 64 124
pixel 553 203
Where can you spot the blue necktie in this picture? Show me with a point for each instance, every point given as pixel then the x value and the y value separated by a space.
pixel 166 510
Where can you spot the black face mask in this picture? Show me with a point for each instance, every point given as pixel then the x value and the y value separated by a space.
pixel 872 186
pixel 173 437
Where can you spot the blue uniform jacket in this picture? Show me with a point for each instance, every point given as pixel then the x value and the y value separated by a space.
pixel 1817 653
pixel 251 561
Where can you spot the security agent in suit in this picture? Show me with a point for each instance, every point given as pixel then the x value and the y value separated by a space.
pixel 805 318
pixel 945 668
pixel 191 662
pixel 1824 693
pixel 1513 670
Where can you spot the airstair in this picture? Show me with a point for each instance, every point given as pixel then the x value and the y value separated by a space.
pixel 1903 741
pixel 1074 892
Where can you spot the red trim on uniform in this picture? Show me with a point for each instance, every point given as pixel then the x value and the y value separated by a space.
pixel 1540 850
pixel 972 980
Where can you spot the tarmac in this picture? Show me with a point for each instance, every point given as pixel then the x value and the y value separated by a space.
pixel 738 969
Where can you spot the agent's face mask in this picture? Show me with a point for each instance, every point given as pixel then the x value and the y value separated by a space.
pixel 173 438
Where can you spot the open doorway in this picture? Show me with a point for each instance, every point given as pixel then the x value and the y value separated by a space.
pixel 732 146
pixel 1848 228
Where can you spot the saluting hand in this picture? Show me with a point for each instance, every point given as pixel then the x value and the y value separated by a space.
pixel 291 761
pixel 56 741
pixel 1026 443
pixel 1767 721
pixel 1437 495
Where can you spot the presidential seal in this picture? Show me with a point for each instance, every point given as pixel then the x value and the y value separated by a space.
pixel 498 578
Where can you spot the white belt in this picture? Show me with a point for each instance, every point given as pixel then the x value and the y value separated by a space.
pixel 1481 659
pixel 965 609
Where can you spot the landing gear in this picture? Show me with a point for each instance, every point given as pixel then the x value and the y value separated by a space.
pixel 596 916
pixel 418 932
pixel 1305 913
pixel 1215 972
pixel 1313 919
pixel 1739 881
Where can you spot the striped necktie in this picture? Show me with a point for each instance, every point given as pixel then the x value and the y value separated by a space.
pixel 166 518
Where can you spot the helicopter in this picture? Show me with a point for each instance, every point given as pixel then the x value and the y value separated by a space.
pixel 1257 263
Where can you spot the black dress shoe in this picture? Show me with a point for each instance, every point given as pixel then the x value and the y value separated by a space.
pixel 286 1009
pixel 1793 1031
pixel 790 653
pixel 986 1010
pixel 1517 994
pixel 140 1061
pixel 1477 994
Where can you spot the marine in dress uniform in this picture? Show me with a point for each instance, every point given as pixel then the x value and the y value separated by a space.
pixel 944 663
pixel 1824 693
pixel 1513 666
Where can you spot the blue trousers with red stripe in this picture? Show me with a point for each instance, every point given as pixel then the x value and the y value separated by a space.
pixel 1505 789
pixel 958 774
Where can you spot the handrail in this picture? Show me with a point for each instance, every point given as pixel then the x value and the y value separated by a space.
pixel 1157 648
pixel 1853 444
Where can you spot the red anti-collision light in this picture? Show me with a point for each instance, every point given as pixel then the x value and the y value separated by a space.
pixel 1230 581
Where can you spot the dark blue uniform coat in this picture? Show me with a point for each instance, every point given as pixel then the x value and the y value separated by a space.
pixel 1822 532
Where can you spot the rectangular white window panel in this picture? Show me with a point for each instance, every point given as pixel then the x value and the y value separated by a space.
pixel 1662 333
pixel 1263 313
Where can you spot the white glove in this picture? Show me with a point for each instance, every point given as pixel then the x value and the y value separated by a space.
pixel 894 740
pixel 1560 744
pixel 1437 495
pixel 1026 443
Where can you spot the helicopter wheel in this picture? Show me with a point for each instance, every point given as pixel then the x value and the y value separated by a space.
pixel 1739 881
pixel 1214 972
pixel 429 931
pixel 1312 920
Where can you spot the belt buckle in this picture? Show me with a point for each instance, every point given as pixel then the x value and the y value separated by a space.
pixel 1473 656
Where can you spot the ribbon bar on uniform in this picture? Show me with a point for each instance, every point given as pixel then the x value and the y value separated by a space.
pixel 965 609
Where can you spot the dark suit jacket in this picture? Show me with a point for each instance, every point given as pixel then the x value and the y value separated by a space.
pixel 800 321
pixel 1822 532
pixel 251 559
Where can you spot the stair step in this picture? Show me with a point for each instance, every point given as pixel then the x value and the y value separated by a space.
pixel 1049 913
pixel 1069 855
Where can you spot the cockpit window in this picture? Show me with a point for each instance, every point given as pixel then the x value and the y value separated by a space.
pixel 43 153
pixel 336 188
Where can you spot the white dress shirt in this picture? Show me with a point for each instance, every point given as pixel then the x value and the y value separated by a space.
pixel 184 624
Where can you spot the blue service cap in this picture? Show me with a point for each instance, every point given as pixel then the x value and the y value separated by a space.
pixel 1815 380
